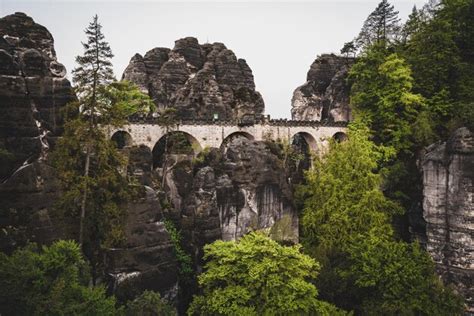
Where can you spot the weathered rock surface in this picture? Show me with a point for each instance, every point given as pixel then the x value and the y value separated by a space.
pixel 33 89
pixel 242 188
pixel 325 95
pixel 147 260
pixel 448 208
pixel 198 80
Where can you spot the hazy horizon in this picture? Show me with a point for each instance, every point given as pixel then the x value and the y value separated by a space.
pixel 279 40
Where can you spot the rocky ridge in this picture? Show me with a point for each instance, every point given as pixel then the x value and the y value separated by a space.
pixel 198 80
pixel 325 95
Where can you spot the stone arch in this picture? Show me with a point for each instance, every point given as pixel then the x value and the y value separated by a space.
pixel 235 135
pixel 307 137
pixel 340 137
pixel 122 139
pixel 176 142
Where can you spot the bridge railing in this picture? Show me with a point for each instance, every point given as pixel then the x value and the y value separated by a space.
pixel 257 120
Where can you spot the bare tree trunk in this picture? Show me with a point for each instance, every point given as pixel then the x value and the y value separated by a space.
pixel 165 162
pixel 84 197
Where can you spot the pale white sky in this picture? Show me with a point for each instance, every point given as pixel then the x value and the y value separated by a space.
pixel 278 39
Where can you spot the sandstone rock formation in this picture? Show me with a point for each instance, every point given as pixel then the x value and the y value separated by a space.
pixel 234 190
pixel 33 88
pixel 325 95
pixel 198 80
pixel 448 208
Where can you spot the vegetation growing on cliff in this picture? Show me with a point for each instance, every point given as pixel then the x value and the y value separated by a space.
pixel 88 163
pixel 347 227
pixel 258 276
pixel 50 281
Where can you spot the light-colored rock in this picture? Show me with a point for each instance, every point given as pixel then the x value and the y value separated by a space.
pixel 448 208
pixel 325 95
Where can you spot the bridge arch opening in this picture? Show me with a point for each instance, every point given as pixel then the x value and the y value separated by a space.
pixel 122 139
pixel 340 137
pixel 174 143
pixel 236 135
pixel 303 145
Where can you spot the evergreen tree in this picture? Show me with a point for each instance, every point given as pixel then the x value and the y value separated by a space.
pixel 381 27
pixel 88 162
pixel 349 48
pixel 94 71
pixel 412 25
pixel 346 225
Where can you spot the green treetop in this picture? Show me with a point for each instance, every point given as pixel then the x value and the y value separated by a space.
pixel 258 276
pixel 381 27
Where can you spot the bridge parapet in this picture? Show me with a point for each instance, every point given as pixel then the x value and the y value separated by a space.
pixel 263 120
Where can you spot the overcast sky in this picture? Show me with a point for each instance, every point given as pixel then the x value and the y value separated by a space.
pixel 278 39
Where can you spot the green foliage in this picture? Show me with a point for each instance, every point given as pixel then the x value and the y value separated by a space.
pixel 90 168
pixel 50 281
pixel 349 48
pixel 440 52
pixel 120 100
pixel 342 197
pixel 185 270
pixel 107 189
pixel 380 28
pixel 258 276
pixel 149 303
pixel 347 226
pixel 400 278
pixel 381 94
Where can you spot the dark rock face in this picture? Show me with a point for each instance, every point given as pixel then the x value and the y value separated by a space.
pixel 147 260
pixel 448 208
pixel 325 95
pixel 33 89
pixel 198 80
pixel 241 188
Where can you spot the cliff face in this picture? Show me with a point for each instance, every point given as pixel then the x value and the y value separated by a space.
pixel 198 80
pixel 33 89
pixel 232 191
pixel 325 95
pixel 448 208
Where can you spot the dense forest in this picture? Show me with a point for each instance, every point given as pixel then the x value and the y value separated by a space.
pixel 411 85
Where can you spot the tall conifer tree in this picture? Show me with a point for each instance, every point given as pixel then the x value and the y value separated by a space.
pixel 87 160
pixel 381 27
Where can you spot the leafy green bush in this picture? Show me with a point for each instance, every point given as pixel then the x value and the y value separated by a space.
pixel 258 276
pixel 50 281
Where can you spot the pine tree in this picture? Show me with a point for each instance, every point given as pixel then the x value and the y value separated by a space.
pixel 349 48
pixel 94 71
pixel 412 25
pixel 87 161
pixel 381 26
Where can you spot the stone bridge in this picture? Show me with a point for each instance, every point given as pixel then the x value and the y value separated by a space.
pixel 202 134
